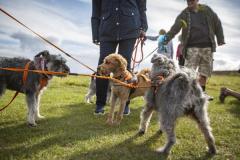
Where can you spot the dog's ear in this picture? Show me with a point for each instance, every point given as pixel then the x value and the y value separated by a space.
pixel 122 62
pixel 60 58
pixel 154 58
pixel 45 54
pixel 41 59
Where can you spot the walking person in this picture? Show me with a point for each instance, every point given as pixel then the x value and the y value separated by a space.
pixel 166 50
pixel 199 25
pixel 116 24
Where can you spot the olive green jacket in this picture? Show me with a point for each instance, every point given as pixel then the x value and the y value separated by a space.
pixel 183 21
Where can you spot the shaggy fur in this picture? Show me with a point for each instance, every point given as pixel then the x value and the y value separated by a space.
pixel 32 88
pixel 117 65
pixel 177 95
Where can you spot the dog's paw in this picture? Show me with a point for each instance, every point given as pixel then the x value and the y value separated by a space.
pixel 159 132
pixel 32 124
pixel 141 132
pixel 212 151
pixel 38 117
pixel 117 122
pixel 109 122
pixel 87 100
pixel 162 150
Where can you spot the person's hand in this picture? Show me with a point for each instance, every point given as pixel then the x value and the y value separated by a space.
pixel 96 42
pixel 221 43
pixel 164 39
pixel 143 35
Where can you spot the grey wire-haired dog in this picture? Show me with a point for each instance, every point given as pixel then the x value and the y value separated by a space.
pixel 35 83
pixel 177 95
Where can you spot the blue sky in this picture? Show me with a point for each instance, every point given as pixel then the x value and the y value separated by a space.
pixel 67 24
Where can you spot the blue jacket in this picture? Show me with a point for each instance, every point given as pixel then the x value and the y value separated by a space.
pixel 114 20
pixel 167 49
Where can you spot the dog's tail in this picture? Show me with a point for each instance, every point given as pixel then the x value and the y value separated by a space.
pixel 180 83
pixel 92 77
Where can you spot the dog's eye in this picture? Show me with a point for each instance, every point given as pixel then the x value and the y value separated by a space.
pixel 58 62
pixel 107 62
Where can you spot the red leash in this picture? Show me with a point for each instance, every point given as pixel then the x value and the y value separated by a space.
pixel 139 41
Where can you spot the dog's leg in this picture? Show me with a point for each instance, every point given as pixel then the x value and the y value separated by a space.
pixel 112 108
pixel 108 97
pixel 32 108
pixel 171 137
pixel 2 87
pixel 37 114
pixel 201 118
pixel 147 111
pixel 121 110
pixel 90 94
pixel 146 115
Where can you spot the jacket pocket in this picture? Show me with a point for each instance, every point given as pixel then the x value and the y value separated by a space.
pixel 130 12
pixel 105 25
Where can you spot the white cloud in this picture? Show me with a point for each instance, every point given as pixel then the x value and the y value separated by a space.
pixel 69 27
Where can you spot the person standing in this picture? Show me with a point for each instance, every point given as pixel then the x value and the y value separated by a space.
pixel 116 23
pixel 199 25
pixel 166 50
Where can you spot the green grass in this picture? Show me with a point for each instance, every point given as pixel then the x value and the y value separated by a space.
pixel 71 131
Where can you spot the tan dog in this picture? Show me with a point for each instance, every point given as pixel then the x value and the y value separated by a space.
pixel 117 65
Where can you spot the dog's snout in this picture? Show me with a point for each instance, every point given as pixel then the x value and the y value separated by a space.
pixel 98 69
pixel 67 69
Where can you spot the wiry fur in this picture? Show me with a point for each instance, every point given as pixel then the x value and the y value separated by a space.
pixel 117 65
pixel 14 80
pixel 178 95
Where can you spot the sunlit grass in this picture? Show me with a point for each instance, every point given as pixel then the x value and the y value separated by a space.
pixel 71 131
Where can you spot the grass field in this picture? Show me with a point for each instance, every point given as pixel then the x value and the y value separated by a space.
pixel 71 131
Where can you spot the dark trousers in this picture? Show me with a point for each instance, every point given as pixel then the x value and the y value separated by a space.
pixel 125 48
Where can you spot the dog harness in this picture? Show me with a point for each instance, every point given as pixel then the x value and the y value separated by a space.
pixel 43 80
pixel 43 83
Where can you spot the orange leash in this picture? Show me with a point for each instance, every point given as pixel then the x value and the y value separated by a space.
pixel 25 74
pixel 44 39
pixel 15 95
pixel 35 71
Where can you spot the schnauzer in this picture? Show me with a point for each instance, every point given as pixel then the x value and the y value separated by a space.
pixel 34 83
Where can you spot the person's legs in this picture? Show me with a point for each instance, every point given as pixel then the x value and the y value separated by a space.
pixel 192 59
pixel 126 49
pixel 205 67
pixel 106 48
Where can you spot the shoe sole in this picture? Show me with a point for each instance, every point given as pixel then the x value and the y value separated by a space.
pixel 98 114
pixel 126 114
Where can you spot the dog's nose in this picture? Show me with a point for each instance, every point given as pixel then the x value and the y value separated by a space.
pixel 67 69
pixel 98 69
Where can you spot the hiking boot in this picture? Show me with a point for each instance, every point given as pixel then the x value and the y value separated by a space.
pixel 222 95
pixel 99 110
pixel 126 110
